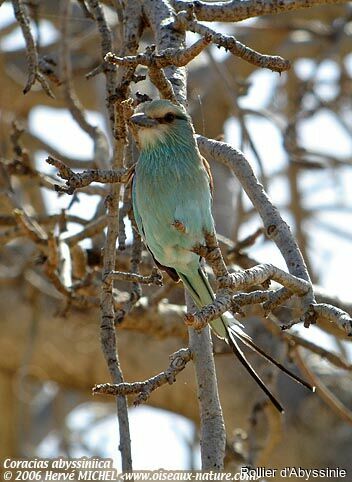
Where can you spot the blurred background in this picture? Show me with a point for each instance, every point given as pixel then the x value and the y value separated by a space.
pixel 296 131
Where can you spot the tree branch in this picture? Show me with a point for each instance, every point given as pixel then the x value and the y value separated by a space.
pixel 322 390
pixel 178 362
pixel 231 44
pixel 76 181
pixel 236 10
pixel 163 22
pixel 32 53
pixel 116 92
pixel 212 428
pixel 101 144
pixel 275 227
pixel 153 279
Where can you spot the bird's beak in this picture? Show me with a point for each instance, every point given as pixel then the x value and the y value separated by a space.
pixel 142 120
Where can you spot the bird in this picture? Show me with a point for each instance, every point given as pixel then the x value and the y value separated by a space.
pixel 172 191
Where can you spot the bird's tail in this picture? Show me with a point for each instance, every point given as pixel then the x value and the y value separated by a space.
pixel 230 330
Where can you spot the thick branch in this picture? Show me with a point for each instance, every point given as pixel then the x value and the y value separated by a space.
pixel 212 422
pixel 259 274
pixel 331 313
pixel 162 21
pixel 275 227
pixel 236 10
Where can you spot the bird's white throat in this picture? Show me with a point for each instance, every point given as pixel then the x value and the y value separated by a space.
pixel 150 136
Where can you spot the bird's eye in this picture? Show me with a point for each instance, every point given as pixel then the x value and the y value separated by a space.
pixel 169 117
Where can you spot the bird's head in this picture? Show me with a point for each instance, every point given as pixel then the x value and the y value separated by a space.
pixel 161 122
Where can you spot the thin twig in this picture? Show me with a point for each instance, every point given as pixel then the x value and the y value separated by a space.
pixel 178 362
pixel 90 229
pixel 32 54
pixel 294 339
pixel 101 145
pixel 106 46
pixel 76 181
pixel 231 44
pixel 164 58
pixel 322 390
pixel 162 83
pixel 117 90
pixel 155 278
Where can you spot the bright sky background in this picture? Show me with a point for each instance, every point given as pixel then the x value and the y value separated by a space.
pixel 330 253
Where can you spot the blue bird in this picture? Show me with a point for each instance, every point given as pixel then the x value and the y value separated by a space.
pixel 172 204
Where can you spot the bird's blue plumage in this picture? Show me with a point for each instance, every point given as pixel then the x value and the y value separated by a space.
pixel 172 203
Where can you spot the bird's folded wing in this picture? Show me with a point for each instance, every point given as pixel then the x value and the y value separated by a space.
pixel 170 271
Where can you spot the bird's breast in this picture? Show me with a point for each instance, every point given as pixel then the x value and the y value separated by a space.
pixel 174 203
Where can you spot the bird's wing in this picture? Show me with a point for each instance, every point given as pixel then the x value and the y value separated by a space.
pixel 208 171
pixel 136 214
pixel 170 271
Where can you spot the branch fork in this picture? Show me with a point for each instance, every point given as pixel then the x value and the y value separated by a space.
pixel 80 180
pixel 261 274
pixel 187 20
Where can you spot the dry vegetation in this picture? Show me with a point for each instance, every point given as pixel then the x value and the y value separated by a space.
pixel 65 306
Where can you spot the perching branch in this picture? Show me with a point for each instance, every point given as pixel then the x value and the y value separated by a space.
pixel 275 227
